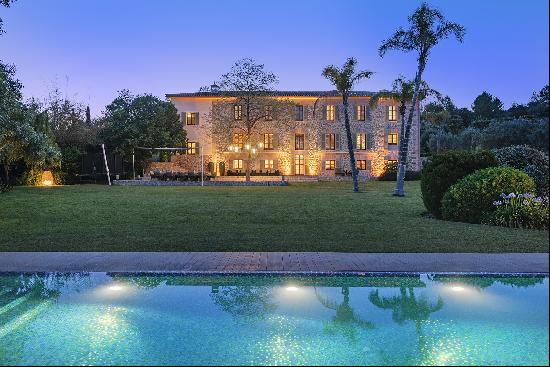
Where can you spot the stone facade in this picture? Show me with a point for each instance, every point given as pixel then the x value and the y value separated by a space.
pixel 312 159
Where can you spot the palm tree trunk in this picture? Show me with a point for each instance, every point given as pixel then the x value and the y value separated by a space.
pixel 404 146
pixel 350 144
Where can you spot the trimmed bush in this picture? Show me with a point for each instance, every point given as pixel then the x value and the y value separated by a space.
pixel 529 160
pixel 390 173
pixel 445 169
pixel 471 198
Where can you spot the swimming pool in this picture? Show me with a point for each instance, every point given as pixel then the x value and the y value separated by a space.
pixel 431 319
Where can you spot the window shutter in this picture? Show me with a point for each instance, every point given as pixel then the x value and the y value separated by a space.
pixel 369 166
pixel 196 118
pixel 323 141
pixel 354 114
pixel 355 141
pixel 275 165
pixel 337 141
pixel 324 117
pixel 197 150
pixel 336 110
pixel 182 114
pixel 262 164
pixel 275 141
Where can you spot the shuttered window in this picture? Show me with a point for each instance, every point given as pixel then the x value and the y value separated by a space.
pixel 238 112
pixel 299 141
pixel 237 164
pixel 360 112
pixel 268 164
pixel 191 148
pixel 361 141
pixel 330 142
pixel 299 113
pixel 268 141
pixel 238 140
pixel 392 139
pixel 392 113
pixel 361 164
pixel 330 112
pixel 191 118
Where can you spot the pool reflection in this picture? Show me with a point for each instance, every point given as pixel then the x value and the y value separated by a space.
pixel 102 318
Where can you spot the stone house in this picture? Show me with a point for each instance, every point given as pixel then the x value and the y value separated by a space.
pixel 315 146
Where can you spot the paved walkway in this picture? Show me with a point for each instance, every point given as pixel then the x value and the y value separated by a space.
pixel 271 262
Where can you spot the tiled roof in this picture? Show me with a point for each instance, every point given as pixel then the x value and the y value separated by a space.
pixel 279 93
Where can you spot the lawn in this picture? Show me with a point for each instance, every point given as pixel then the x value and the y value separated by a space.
pixel 300 217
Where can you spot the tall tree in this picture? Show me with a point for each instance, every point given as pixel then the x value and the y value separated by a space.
pixel 538 105
pixel 144 120
pixel 487 106
pixel 402 92
pixel 247 104
pixel 24 134
pixel 344 79
pixel 427 26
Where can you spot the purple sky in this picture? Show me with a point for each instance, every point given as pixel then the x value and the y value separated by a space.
pixel 92 49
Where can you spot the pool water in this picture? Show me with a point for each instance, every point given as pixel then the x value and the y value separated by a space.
pixel 99 318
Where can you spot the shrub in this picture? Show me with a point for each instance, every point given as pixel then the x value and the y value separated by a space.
pixel 529 160
pixel 519 211
pixel 472 197
pixel 443 170
pixel 390 173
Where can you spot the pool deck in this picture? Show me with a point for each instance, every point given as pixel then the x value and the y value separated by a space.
pixel 272 262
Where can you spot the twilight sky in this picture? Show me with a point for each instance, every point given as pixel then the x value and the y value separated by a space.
pixel 92 49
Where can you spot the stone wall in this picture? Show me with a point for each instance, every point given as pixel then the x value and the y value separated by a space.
pixel 314 128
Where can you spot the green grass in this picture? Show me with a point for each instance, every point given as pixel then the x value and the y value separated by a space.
pixel 300 217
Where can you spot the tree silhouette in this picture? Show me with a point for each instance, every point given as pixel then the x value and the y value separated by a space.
pixel 345 320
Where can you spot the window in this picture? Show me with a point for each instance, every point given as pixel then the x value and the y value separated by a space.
pixel 361 142
pixel 361 164
pixel 392 161
pixel 392 113
pixel 268 164
pixel 360 112
pixel 299 165
pixel 237 164
pixel 330 112
pixel 191 118
pixel 299 142
pixel 268 141
pixel 191 148
pixel 299 113
pixel 330 142
pixel 330 165
pixel 392 139
pixel 268 113
pixel 238 112
pixel 238 140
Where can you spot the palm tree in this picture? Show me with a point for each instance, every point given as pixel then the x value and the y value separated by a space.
pixel 402 91
pixel 344 79
pixel 407 307
pixel 427 27
pixel 345 319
